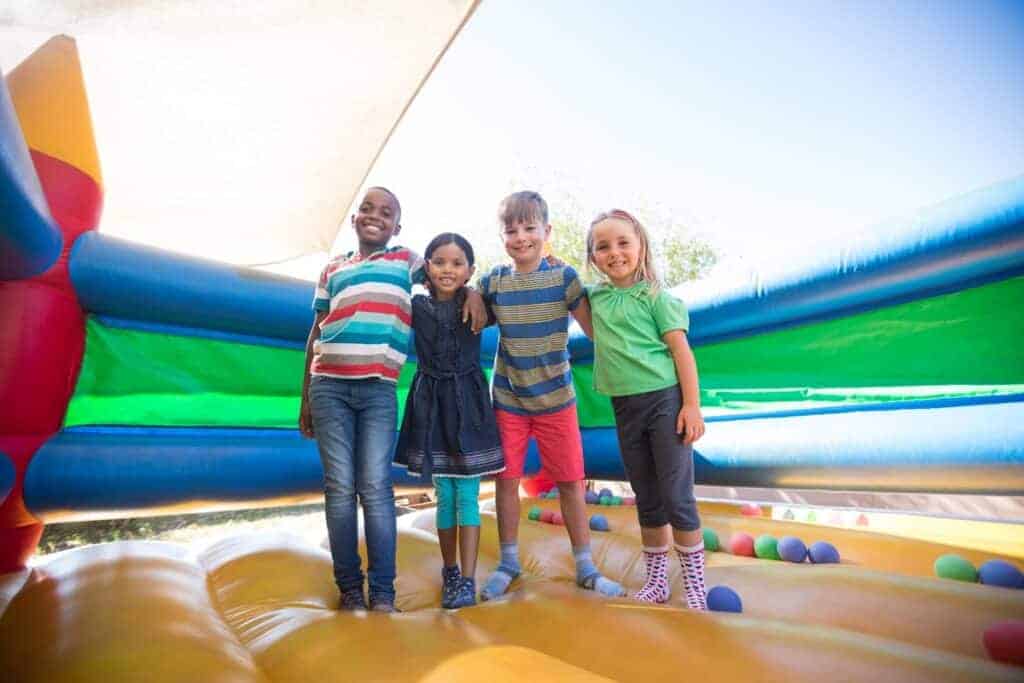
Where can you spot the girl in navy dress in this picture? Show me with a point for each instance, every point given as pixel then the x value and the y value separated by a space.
pixel 449 430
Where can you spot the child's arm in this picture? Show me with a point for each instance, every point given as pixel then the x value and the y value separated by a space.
pixel 689 422
pixel 474 310
pixel 583 317
pixel 305 414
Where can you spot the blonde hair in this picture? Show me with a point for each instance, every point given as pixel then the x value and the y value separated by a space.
pixel 645 271
pixel 523 207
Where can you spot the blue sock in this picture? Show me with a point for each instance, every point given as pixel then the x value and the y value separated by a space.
pixel 510 557
pixel 589 576
pixel 508 569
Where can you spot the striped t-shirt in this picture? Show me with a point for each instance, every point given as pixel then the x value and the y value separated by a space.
pixel 531 370
pixel 365 333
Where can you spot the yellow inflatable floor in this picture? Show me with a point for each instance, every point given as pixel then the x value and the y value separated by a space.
pixel 262 609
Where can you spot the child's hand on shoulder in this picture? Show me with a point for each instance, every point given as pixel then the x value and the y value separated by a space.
pixel 690 424
pixel 474 310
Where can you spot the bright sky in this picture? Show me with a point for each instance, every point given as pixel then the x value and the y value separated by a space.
pixel 775 129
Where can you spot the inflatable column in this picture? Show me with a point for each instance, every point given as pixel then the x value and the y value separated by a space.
pixel 50 193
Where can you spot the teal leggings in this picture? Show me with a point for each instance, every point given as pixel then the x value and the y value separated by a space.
pixel 457 501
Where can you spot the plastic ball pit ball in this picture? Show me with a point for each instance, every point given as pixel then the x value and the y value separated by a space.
pixel 605 493
pixel 629 500
pixel 823 552
pixel 546 516
pixel 556 518
pixel 1000 573
pixel 724 599
pixel 742 544
pixel 534 513
pixel 711 543
pixel 792 549
pixel 604 500
pixel 766 547
pixel 956 568
pixel 1004 642
pixel 591 497
pixel 750 510
pixel 616 500
pixel 598 523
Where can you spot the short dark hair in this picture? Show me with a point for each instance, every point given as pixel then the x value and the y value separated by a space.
pixel 391 194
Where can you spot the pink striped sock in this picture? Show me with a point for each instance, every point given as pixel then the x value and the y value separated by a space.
pixel 656 589
pixel 691 557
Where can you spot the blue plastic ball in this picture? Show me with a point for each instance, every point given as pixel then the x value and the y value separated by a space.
pixel 605 493
pixel 592 497
pixel 792 549
pixel 1000 573
pixel 599 523
pixel 724 599
pixel 823 552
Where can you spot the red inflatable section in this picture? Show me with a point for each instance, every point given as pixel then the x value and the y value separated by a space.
pixel 75 203
pixel 19 530
pixel 42 337
pixel 537 484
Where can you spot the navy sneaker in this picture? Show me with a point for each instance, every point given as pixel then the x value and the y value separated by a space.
pixel 465 596
pixel 450 579
pixel 382 604
pixel 352 599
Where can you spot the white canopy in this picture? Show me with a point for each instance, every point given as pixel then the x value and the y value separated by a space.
pixel 239 130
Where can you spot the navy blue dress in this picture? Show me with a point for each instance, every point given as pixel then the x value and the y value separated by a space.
pixel 448 412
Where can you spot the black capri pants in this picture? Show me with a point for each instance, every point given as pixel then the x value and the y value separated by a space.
pixel 659 465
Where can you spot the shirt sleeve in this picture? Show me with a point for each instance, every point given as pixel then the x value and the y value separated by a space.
pixel 483 285
pixel 574 292
pixel 417 271
pixel 670 314
pixel 321 297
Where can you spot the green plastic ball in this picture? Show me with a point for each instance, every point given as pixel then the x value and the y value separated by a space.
pixel 605 500
pixel 956 568
pixel 616 500
pixel 766 547
pixel 711 543
pixel 534 513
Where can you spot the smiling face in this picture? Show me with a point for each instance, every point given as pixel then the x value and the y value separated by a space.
pixel 376 220
pixel 448 269
pixel 524 242
pixel 617 251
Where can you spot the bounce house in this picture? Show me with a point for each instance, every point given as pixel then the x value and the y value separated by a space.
pixel 136 381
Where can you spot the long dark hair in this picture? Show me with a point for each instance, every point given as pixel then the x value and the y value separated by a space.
pixel 446 238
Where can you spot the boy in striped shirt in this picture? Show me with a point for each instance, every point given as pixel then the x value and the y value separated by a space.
pixel 533 390
pixel 355 351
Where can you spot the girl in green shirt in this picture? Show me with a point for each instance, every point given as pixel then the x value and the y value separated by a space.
pixel 643 361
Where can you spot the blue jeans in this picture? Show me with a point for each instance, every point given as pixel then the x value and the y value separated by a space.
pixel 354 422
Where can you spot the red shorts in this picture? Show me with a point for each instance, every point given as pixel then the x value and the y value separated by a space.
pixel 558 440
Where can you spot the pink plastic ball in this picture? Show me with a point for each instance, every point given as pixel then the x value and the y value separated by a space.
pixel 750 510
pixel 1004 641
pixel 742 544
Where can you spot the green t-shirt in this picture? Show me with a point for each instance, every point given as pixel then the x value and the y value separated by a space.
pixel 630 356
